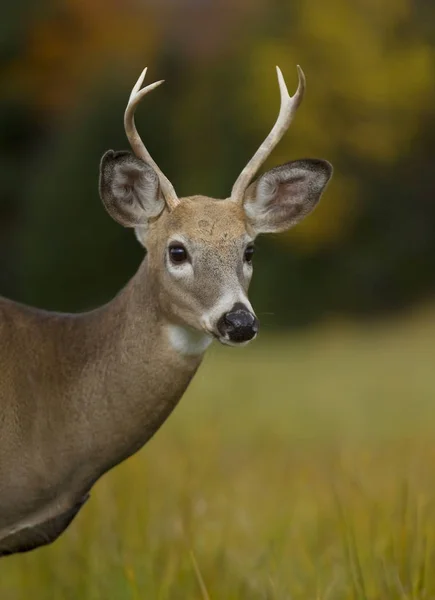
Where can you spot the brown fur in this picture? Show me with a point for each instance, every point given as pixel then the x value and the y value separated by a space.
pixel 80 393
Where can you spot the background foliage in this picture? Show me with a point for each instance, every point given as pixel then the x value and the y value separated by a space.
pixel 67 71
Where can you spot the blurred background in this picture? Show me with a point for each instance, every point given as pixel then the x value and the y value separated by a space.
pixel 67 70
pixel 301 467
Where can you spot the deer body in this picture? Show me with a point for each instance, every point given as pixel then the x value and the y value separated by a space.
pixel 81 393
pixel 106 379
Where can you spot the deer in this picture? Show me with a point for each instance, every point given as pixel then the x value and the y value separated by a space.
pixel 82 392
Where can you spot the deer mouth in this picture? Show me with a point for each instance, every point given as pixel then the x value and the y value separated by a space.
pixel 235 344
pixel 225 340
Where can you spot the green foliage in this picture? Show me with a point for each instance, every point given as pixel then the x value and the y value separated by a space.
pixel 299 468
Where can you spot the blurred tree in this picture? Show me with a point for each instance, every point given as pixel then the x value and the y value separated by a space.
pixel 18 131
pixel 370 80
pixel 369 109
pixel 72 41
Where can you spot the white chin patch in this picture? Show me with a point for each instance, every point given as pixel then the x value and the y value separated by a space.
pixel 188 341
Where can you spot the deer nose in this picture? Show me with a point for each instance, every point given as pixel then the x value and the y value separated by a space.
pixel 239 324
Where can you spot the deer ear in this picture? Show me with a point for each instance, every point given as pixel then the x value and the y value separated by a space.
pixel 285 195
pixel 129 189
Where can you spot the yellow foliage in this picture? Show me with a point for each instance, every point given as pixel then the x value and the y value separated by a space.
pixel 367 89
pixel 310 461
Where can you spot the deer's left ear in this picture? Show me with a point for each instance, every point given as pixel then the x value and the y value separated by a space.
pixel 284 195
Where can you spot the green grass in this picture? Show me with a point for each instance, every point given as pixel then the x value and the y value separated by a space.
pixel 298 468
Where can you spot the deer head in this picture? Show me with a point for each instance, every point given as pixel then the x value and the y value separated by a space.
pixel 200 249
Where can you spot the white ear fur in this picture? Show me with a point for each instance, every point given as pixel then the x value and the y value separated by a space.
pixel 284 195
pixel 141 233
pixel 129 189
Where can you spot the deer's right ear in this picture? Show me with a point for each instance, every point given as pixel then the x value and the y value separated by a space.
pixel 129 189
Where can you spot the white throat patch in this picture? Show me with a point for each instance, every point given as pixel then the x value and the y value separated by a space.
pixel 188 341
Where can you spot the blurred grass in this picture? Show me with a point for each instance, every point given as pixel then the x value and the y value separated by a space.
pixel 298 468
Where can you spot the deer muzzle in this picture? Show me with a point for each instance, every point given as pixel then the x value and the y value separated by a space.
pixel 238 325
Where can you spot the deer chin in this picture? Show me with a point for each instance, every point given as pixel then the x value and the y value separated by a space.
pixel 226 341
pixel 188 341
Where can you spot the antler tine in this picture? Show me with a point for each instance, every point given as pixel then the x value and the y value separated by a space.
pixel 289 105
pixel 137 144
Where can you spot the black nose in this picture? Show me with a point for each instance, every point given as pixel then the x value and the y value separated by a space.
pixel 240 325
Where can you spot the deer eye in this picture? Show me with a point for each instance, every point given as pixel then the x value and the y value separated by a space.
pixel 249 253
pixel 177 253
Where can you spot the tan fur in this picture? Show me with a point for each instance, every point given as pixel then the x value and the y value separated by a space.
pixel 80 393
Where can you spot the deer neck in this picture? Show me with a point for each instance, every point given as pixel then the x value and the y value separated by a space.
pixel 94 388
pixel 143 363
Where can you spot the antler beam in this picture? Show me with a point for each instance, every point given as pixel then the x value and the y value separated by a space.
pixel 289 105
pixel 137 144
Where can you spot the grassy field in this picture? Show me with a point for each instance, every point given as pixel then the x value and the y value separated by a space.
pixel 298 468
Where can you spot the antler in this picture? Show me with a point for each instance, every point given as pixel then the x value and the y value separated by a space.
pixel 137 144
pixel 289 105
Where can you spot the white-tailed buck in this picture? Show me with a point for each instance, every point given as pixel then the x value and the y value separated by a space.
pixel 80 393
